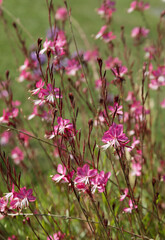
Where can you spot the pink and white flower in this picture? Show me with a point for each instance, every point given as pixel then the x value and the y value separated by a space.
pixel 17 155
pixel 139 6
pixel 115 137
pixel 84 174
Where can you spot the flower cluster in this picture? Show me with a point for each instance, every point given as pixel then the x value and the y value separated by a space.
pixel 16 200
pixel 115 137
pixel 138 6
pixel 86 179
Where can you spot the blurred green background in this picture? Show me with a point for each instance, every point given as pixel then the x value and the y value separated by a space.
pixel 33 16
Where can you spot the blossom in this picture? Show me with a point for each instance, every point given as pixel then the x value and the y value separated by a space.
pixel 99 181
pixel 112 62
pixel 157 78
pixel 84 174
pixel 64 128
pixel 24 137
pixel 33 114
pixel 51 93
pixel 138 110
pixel 91 55
pixel 136 169
pixel 122 197
pixel 39 86
pixel 103 34
pixel 62 175
pixel 116 109
pixel 22 198
pixel 139 6
pixel 115 137
pixel 163 104
pixel 106 9
pixel 9 114
pixel 5 137
pixel 150 52
pixel 47 44
pixel 3 204
pixel 17 155
pixel 61 14
pixel 139 32
pixel 10 195
pixel 131 207
pixel 119 72
pixel 72 67
pixel 13 237
pixel 56 236
pixel 108 37
pixel 58 177
pixel 135 142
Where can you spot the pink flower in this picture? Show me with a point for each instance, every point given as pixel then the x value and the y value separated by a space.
pixel 116 109
pixel 111 62
pixel 84 174
pixel 22 198
pixel 137 110
pixel 100 119
pixel 122 197
pixel 61 14
pixel 106 36
pixel 82 187
pixel 119 72
pixel 106 9
pixel 63 176
pixel 131 207
pixel 3 204
pixel 5 137
pixel 135 142
pixel 115 137
pixel 139 32
pixel 99 181
pixel 91 55
pixel 72 67
pixel 56 236
pixel 17 155
pixel 157 78
pixel 13 237
pixel 162 104
pixel 9 114
pixel 136 169
pixel 130 97
pixel 58 177
pixel 150 52
pixel 24 138
pixel 10 195
pixel 25 66
pixel 51 93
pixel 39 86
pixel 139 6
pixel 101 32
pixel 47 44
pixel 64 128
pixel 34 113
pixel 24 75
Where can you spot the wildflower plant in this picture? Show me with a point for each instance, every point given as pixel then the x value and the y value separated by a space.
pixel 85 161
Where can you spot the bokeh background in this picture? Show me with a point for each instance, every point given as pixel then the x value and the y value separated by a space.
pixel 33 15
